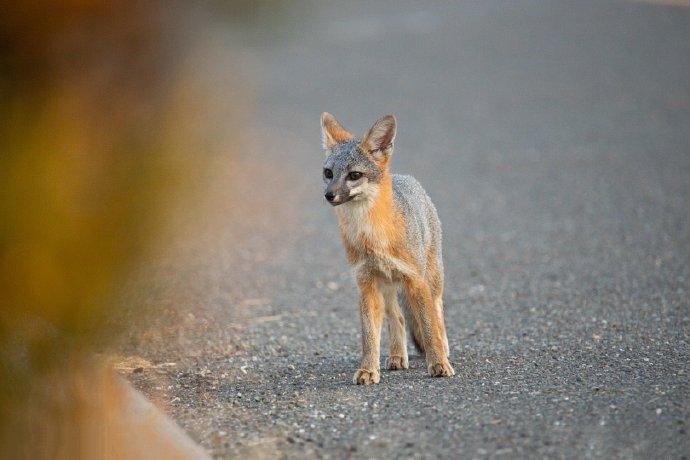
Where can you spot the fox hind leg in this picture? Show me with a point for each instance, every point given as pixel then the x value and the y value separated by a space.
pixel 424 310
pixel 397 358
pixel 412 326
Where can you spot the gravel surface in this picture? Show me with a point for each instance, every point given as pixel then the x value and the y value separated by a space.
pixel 554 139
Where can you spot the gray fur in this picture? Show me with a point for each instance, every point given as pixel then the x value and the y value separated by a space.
pixel 423 231
pixel 347 157
pixel 423 228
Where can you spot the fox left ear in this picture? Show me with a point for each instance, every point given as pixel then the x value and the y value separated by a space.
pixel 378 141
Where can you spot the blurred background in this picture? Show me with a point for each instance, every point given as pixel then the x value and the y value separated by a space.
pixel 161 191
pixel 113 117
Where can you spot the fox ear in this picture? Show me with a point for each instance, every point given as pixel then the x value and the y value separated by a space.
pixel 332 132
pixel 378 141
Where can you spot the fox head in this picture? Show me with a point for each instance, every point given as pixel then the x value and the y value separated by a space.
pixel 354 168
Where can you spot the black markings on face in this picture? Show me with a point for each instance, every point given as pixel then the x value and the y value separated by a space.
pixel 348 161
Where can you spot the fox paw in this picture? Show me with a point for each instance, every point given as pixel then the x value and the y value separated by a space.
pixel 397 362
pixel 366 377
pixel 441 369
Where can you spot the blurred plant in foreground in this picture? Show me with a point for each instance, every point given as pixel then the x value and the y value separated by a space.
pixel 97 138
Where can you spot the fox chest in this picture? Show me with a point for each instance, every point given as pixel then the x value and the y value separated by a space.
pixel 374 245
pixel 375 258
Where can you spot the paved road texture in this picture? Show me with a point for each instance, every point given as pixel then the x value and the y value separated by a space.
pixel 554 138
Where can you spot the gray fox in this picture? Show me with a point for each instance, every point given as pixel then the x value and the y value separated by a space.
pixel 392 236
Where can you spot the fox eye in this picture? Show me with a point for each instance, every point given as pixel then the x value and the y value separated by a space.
pixel 327 173
pixel 354 175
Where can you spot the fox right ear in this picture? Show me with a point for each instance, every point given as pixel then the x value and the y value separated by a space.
pixel 331 131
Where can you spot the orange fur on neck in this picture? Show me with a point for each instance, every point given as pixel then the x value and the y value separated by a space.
pixel 379 230
pixel 383 216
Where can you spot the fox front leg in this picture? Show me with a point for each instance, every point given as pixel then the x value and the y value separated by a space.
pixel 371 309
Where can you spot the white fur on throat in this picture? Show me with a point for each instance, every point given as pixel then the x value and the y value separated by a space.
pixel 354 216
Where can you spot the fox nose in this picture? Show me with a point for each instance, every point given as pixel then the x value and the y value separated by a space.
pixel 330 196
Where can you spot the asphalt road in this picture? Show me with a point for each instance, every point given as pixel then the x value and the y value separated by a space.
pixel 554 139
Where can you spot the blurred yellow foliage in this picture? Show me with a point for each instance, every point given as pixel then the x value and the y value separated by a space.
pixel 96 139
pixel 84 156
